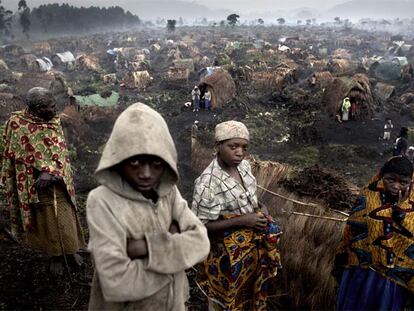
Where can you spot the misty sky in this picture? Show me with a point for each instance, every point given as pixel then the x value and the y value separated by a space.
pixel 243 6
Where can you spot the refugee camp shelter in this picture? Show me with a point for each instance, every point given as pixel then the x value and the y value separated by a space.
pixel 63 58
pixel 357 88
pixel 42 64
pixel 221 86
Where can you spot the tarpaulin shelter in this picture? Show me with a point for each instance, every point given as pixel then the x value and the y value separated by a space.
pixel 63 58
pixel 98 100
pixel 42 64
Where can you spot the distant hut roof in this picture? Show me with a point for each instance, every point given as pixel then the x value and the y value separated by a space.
pixel 42 64
pixel 65 57
pixel 221 86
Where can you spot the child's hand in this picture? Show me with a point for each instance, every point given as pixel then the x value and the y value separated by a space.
pixel 174 228
pixel 254 220
pixel 137 249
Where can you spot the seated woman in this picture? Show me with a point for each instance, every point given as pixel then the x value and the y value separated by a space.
pixel 377 251
pixel 244 256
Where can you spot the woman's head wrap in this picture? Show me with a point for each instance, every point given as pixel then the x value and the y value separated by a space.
pixel 231 129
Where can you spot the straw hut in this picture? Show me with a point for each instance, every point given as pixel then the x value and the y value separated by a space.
pixel 176 74
pixel 88 62
pixel 109 78
pixel 357 88
pixel 186 63
pixel 137 79
pixel 221 86
pixel 323 79
pixel 13 50
pixel 27 60
pixel 42 48
pixel 274 79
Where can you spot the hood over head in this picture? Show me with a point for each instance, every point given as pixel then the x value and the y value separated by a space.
pixel 138 130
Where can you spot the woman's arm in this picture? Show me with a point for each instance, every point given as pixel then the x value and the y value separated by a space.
pixel 252 221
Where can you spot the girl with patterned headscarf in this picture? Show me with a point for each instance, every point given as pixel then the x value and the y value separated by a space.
pixel 244 257
pixel 377 251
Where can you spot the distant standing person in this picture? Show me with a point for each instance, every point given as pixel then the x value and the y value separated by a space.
pixel 401 143
pixel 207 99
pixel 388 126
pixel 410 154
pixel 195 95
pixel 346 106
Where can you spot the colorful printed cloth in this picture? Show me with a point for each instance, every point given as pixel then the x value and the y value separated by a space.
pixel 380 236
pixel 238 271
pixel 32 146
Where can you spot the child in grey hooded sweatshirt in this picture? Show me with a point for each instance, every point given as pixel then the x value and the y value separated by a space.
pixel 142 233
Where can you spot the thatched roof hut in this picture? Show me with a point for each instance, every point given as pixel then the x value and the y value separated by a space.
pixel 357 88
pixel 42 47
pixel 221 86
pixel 137 79
pixel 323 79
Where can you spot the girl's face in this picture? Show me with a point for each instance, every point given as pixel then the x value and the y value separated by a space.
pixel 232 151
pixel 396 185
pixel 143 172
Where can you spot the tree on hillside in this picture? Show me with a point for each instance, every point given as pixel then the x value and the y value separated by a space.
pixel 232 19
pixel 24 20
pixel 5 21
pixel 337 20
pixel 308 22
pixel 260 21
pixel 171 25
pixel 281 21
pixel 299 22
pixel 44 17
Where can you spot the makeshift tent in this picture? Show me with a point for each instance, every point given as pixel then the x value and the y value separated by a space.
pixel 176 74
pixel 88 62
pixel 42 64
pixel 98 100
pixel 13 50
pixel 27 60
pixel 323 79
pixel 274 79
pixel 63 58
pixel 221 86
pixel 357 88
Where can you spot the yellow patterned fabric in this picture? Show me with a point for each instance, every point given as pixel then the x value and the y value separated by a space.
pixel 380 236
pixel 238 271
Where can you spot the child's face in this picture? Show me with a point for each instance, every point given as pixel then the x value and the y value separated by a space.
pixel 143 172
pixel 233 151
pixel 396 185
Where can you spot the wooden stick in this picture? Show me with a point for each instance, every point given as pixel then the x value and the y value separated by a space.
pixel 322 217
pixel 286 198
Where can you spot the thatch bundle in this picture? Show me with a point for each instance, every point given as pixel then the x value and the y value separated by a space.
pixel 342 54
pixel 357 89
pixel 221 86
pixel 308 244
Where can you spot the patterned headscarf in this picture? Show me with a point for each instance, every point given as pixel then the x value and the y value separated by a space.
pixel 231 129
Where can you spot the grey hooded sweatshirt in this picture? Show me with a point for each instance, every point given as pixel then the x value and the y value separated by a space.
pixel 116 212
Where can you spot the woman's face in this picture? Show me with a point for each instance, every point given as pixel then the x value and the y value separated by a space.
pixel 143 172
pixel 233 151
pixel 396 185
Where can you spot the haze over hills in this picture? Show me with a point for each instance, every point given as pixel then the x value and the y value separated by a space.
pixel 267 9
pixel 357 9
